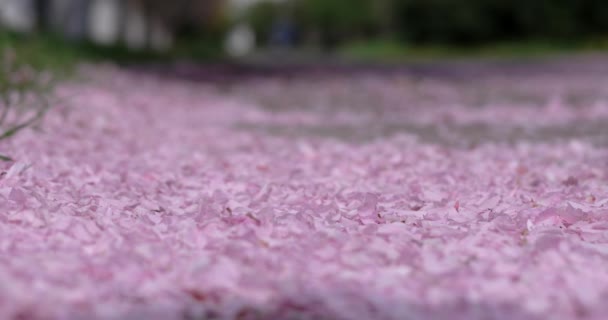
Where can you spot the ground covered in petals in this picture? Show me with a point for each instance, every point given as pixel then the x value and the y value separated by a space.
pixel 360 195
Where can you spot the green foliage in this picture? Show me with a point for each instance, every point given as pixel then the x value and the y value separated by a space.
pixel 330 20
pixel 460 22
pixel 389 50
pixel 46 51
pixel 261 17
pixel 337 21
pixel 479 21
pixel 39 51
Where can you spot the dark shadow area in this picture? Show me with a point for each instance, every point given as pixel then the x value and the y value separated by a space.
pixel 448 69
pixel 309 306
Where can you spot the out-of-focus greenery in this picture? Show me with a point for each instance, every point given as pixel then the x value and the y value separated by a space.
pixel 482 21
pixel 45 51
pixel 39 51
pixel 319 22
pixel 334 21
pixel 54 53
pixel 438 22
pixel 390 50
pixel 261 16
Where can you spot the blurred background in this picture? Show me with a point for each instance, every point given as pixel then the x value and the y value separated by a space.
pixel 60 31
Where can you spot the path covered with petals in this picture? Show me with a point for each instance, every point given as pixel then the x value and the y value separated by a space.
pixel 333 197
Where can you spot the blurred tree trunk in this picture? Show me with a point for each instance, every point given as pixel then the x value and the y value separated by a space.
pixel 177 12
pixel 134 25
pixel 384 16
pixel 122 20
pixel 75 25
pixel 41 12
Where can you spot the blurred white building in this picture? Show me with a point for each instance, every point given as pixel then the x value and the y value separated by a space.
pixel 17 15
pixel 105 22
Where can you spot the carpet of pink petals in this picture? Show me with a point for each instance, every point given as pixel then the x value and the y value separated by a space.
pixel 149 198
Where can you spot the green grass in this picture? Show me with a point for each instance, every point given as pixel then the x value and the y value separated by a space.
pixel 54 53
pixel 393 51
pixel 51 52
pixel 39 52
